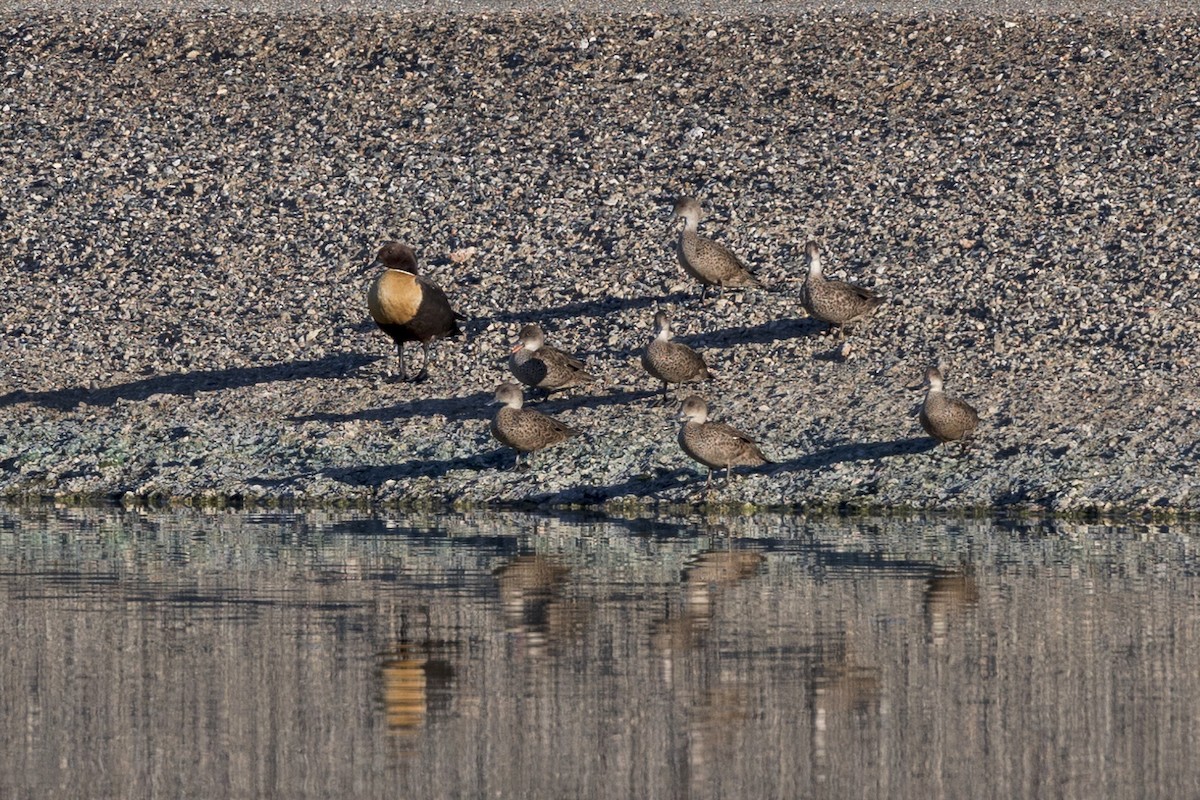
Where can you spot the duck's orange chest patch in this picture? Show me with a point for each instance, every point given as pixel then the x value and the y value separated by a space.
pixel 394 297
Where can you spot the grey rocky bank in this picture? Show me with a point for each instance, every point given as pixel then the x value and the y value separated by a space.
pixel 187 202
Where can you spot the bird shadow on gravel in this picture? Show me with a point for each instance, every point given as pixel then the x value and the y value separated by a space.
pixel 595 307
pixel 555 405
pixel 639 485
pixel 766 333
pixel 470 406
pixel 377 474
pixel 478 405
pixel 869 451
pixel 189 383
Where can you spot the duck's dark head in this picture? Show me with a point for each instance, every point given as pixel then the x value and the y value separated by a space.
pixel 396 255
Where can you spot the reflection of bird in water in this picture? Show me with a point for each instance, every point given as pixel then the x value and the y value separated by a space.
pixel 847 688
pixel 844 692
pixel 722 568
pixel 948 594
pixel 716 719
pixel 704 577
pixel 721 708
pixel 530 586
pixel 413 684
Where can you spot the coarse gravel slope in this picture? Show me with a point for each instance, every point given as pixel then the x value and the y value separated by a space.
pixel 188 201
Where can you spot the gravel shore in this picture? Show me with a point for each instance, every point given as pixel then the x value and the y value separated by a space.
pixel 188 201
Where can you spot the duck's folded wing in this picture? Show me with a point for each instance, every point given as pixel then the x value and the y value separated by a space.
pixel 729 430
pixel 556 356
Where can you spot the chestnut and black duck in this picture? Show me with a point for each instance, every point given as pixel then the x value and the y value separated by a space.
pixel 715 444
pixel 672 362
pixel 534 363
pixel 946 419
pixel 707 261
pixel 836 302
pixel 409 307
pixel 524 429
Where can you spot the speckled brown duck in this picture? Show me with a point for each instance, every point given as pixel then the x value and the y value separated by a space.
pixel 524 429
pixel 715 444
pixel 836 302
pixel 534 363
pixel 946 419
pixel 672 362
pixel 707 261
pixel 409 307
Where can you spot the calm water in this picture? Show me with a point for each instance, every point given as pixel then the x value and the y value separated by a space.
pixel 349 655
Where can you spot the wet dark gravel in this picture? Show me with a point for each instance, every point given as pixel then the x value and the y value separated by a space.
pixel 187 201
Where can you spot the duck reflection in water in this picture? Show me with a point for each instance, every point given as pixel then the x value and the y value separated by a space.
pixel 949 595
pixel 845 693
pixel 718 704
pixel 534 610
pixel 415 685
pixel 706 575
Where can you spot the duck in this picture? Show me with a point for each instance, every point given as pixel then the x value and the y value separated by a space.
pixel 672 362
pixel 715 444
pixel 710 263
pixel 524 429
pixel 534 363
pixel 408 306
pixel 946 419
pixel 836 302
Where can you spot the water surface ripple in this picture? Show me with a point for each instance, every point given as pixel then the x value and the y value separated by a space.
pixel 326 654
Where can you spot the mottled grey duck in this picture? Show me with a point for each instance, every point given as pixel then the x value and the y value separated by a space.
pixel 672 362
pixel 534 363
pixel 946 419
pixel 708 262
pixel 407 306
pixel 524 429
pixel 715 444
pixel 836 302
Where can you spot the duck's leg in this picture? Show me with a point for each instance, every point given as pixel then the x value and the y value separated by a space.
pixel 424 373
pixel 400 360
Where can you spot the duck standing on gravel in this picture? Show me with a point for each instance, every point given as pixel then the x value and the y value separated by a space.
pixel 535 363
pixel 715 444
pixel 836 302
pixel 708 262
pixel 409 307
pixel 524 429
pixel 672 362
pixel 946 419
